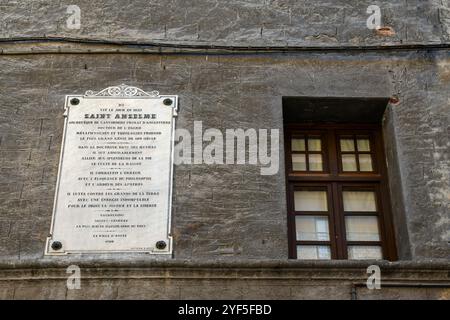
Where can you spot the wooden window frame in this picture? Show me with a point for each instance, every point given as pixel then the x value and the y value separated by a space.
pixel 335 181
pixel 373 150
pixel 306 135
pixel 329 214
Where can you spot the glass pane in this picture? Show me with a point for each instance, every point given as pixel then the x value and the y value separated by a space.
pixel 299 162
pixel 310 201
pixel 347 145
pixel 315 162
pixel 313 252
pixel 312 228
pixel 361 201
pixel 362 228
pixel 364 252
pixel 365 162
pixel 349 162
pixel 363 144
pixel 314 144
pixel 298 144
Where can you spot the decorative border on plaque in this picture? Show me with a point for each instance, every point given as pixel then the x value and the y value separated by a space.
pixel 121 91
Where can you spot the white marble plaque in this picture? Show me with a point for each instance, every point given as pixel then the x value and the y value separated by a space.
pixel 114 188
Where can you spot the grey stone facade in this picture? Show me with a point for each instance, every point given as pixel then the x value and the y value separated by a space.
pixel 229 214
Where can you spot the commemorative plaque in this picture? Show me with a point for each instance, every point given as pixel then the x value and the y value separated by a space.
pixel 114 187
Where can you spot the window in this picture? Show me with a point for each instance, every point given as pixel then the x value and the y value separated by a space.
pixel 338 203
pixel 356 153
pixel 307 153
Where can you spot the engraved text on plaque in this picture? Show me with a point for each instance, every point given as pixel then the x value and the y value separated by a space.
pixel 114 184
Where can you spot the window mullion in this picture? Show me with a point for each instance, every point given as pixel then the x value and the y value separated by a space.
pixel 335 217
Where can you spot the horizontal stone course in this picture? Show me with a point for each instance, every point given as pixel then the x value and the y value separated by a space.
pixel 258 279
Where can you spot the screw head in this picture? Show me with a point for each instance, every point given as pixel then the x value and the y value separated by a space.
pixel 161 245
pixel 75 101
pixel 168 102
pixel 56 245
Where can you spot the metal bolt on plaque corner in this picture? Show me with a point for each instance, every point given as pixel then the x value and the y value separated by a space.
pixel 57 245
pixel 161 245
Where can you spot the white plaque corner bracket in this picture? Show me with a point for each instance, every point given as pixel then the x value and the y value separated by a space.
pixel 114 184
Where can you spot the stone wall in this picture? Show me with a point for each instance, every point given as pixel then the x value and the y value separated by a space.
pixel 231 280
pixel 232 22
pixel 225 212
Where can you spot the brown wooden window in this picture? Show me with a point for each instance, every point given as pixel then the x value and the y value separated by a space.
pixel 338 203
pixel 356 153
pixel 307 152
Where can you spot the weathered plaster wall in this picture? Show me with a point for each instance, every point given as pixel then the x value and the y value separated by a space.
pixel 232 22
pixel 226 210
pixel 297 280
pixel 226 213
